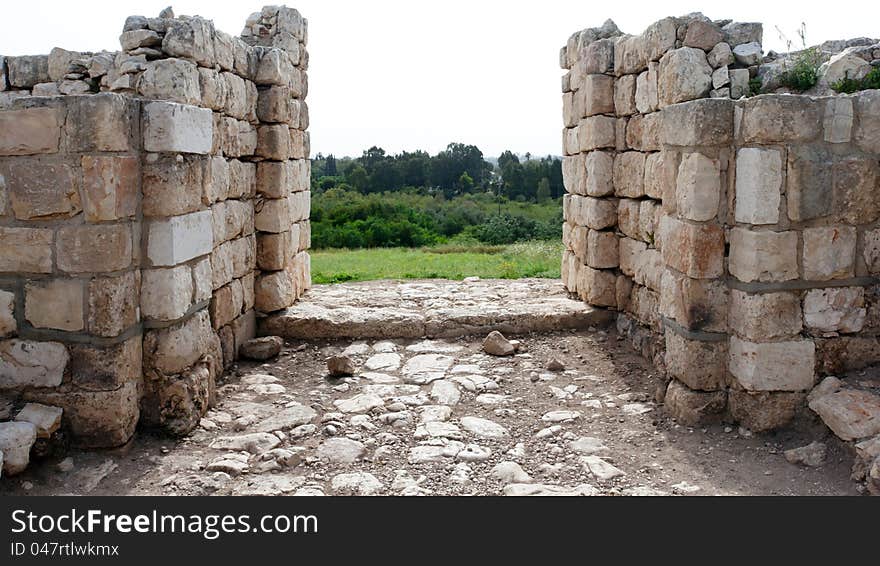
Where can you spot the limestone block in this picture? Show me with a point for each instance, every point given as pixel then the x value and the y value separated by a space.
pixel 597 93
pixel 191 38
pixel 273 216
pixel 16 440
pixel 226 304
pixel 810 175
pixel 866 135
pixel 599 166
pixel 40 189
pixel 871 251
pixel 203 278
pixel 28 70
pixel 274 251
pixel 843 66
pixel 697 250
pixel 625 95
pixel 778 118
pixel 273 142
pixel 629 174
pixel 275 67
pixel 113 304
pixel 649 270
pixel 570 112
pixel 46 419
pixel 100 122
pixel 30 131
pixel 224 50
pixel 690 407
pixel 738 33
pixel 172 184
pixel 3 86
pixel 96 419
pixel 598 57
pixel 274 291
pixel 695 304
pixel 659 38
pixel 661 169
pixel 175 80
pixel 850 413
pixel 244 256
pixel 698 187
pixel 707 121
pixel 684 75
pixel 166 294
pixel 8 325
pixel 597 132
pixel 763 256
pixel 569 141
pixel 764 411
pixel 720 77
pixel 829 253
pixel 180 238
pixel 597 287
pixel 594 213
pixel 213 89
pixel 171 127
pixel 720 56
pixel 602 249
pixel 94 248
pixel 629 55
pixel 236 96
pixel 748 54
pixel 699 365
pixel 242 179
pixel 774 366
pixel 628 217
pixel 300 206
pixel 110 187
pixel 55 303
pixel 132 39
pixel 767 316
pixel 647 93
pixel 739 83
pixel 24 363
pixel 216 180
pixel 838 309
pixel 855 188
pixel 703 35
pixel 838 120
pixel 221 265
pixel 176 348
pixel 758 185
pixel 274 105
pixel 25 250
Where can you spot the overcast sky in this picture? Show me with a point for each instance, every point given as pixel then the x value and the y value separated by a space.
pixel 418 75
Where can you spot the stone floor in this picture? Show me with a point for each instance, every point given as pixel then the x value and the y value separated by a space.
pixel 433 308
pixel 441 417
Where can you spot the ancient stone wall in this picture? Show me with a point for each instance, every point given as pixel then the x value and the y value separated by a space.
pixel 153 203
pixel 737 235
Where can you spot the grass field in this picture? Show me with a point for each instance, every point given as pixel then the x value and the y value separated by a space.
pixel 529 259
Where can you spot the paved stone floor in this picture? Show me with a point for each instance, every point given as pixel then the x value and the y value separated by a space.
pixel 433 308
pixel 441 417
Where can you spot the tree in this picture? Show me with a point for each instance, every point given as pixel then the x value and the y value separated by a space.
pixel 330 166
pixel 465 183
pixel 543 192
pixel 359 179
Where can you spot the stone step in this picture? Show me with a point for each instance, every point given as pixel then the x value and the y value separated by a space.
pixel 433 309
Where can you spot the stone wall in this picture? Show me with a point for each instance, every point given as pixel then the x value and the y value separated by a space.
pixel 153 203
pixel 736 235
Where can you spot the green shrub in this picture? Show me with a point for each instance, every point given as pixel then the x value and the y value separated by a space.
pixel 847 85
pixel 804 72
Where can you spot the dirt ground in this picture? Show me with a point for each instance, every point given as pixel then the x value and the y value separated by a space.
pixel 281 432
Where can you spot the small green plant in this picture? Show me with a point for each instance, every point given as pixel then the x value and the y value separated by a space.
pixel 755 86
pixel 847 85
pixel 804 71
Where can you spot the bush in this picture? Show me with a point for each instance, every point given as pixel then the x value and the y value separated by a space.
pixel 847 85
pixel 804 72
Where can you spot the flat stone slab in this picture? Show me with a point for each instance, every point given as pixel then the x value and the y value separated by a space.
pixel 433 308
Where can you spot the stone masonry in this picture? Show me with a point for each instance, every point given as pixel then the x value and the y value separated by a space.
pixel 736 235
pixel 153 203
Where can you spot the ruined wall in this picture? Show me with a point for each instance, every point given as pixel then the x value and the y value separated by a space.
pixel 153 202
pixel 736 234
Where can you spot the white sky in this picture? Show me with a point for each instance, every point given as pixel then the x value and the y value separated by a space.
pixel 418 75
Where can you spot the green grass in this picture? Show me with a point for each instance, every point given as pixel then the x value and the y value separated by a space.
pixel 528 259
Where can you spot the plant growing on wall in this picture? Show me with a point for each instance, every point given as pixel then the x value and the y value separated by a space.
pixel 847 85
pixel 804 71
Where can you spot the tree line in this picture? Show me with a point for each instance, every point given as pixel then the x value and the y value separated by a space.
pixel 460 169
